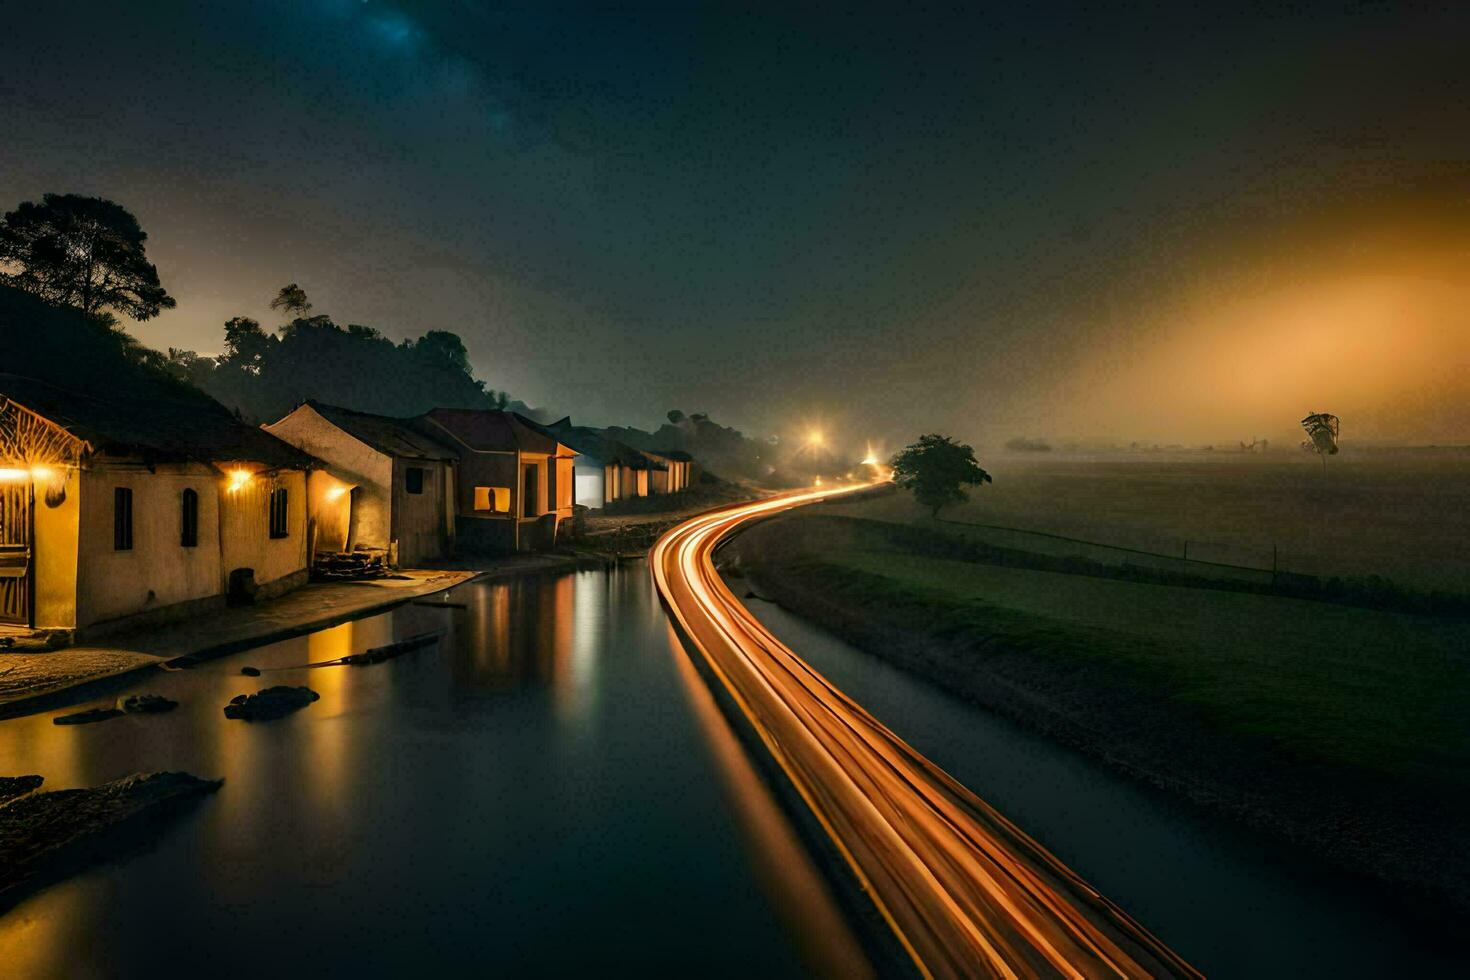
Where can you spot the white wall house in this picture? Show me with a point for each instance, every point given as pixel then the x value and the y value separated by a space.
pixel 386 485
pixel 116 512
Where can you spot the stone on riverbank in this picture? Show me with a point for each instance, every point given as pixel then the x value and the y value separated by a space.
pixel 270 703
pixel 135 704
pixel 14 786
pixel 147 704
pixel 88 717
pixel 46 835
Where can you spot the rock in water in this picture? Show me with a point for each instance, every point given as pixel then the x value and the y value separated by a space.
pixel 250 671
pixel 273 702
pixel 46 835
pixel 147 704
pixel 87 717
pixel 13 786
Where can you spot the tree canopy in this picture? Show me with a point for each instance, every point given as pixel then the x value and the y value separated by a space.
pixel 83 252
pixel 935 469
pixel 264 375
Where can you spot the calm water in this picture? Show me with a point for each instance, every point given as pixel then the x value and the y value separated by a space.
pixel 551 791
pixel 1232 904
pixel 539 795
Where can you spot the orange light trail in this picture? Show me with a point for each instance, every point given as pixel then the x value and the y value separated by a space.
pixel 965 891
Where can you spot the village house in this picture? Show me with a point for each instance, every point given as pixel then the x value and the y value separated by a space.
pixel 609 471
pixel 514 483
pixel 606 471
pixel 669 470
pixel 386 485
pixel 128 509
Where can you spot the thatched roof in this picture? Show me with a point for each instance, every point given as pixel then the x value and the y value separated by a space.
pixel 152 424
pixel 392 436
pixel 488 430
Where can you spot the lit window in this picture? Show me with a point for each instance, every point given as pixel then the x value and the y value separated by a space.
pixel 413 479
pixel 494 499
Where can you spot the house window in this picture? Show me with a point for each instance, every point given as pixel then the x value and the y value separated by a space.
pixel 122 519
pixel 530 492
pixel 189 518
pixel 413 479
pixel 494 499
pixel 278 513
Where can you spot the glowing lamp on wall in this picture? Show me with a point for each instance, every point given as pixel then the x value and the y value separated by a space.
pixel 237 480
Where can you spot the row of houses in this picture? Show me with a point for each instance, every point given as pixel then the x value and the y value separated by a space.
pixel 115 512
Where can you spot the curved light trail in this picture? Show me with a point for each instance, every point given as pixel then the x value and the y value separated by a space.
pixel 964 890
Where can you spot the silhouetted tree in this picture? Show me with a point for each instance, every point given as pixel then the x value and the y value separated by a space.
pixel 935 469
pixel 292 301
pixel 263 376
pixel 84 252
pixel 1322 429
pixel 246 344
pixel 443 347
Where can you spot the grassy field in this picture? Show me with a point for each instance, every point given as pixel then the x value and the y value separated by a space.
pixel 1339 725
pixel 1402 514
pixel 1348 687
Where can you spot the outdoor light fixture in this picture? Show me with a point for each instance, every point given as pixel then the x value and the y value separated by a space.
pixel 238 479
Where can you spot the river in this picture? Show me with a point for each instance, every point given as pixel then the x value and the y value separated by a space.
pixel 547 792
pixel 1232 903
pixel 550 791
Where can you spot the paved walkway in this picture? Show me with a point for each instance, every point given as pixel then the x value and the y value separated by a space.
pixel 36 681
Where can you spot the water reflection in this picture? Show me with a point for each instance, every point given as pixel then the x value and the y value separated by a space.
pixel 522 794
pixel 802 896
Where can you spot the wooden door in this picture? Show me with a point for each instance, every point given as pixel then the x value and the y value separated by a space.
pixel 15 552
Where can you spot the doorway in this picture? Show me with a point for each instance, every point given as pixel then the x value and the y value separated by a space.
pixel 16 532
pixel 530 490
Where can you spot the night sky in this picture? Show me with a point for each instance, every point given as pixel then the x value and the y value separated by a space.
pixel 1165 224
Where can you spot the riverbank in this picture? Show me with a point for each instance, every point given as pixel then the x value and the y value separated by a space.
pixel 41 681
pixel 1338 729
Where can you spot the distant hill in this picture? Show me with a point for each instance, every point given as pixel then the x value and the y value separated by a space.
pixel 719 448
pixel 61 346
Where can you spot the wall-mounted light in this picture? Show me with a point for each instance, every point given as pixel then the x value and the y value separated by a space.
pixel 237 480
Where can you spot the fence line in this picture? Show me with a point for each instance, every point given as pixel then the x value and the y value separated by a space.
pixel 1271 569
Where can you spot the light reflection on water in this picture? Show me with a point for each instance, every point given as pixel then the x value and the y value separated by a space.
pixel 536 795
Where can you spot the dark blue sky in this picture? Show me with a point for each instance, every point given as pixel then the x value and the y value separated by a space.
pixel 891 222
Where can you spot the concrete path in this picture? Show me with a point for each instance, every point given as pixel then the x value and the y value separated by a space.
pixel 38 681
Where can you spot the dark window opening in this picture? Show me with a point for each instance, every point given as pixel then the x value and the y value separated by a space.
pixel 413 479
pixel 189 518
pixel 529 493
pixel 122 519
pixel 278 513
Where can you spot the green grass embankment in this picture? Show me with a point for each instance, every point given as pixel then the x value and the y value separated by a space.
pixel 1341 728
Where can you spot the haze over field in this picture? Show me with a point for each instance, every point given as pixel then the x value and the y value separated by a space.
pixel 1152 225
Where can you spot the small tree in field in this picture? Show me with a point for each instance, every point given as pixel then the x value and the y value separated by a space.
pixel 935 469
